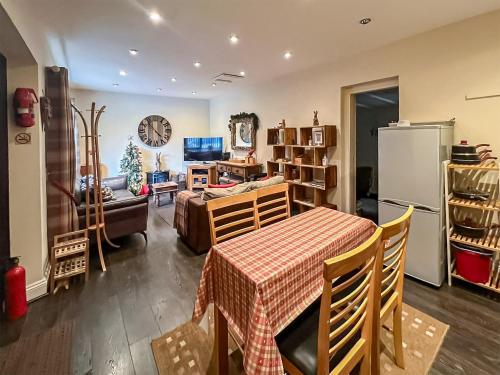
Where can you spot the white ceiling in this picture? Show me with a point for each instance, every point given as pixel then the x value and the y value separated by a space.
pixel 92 37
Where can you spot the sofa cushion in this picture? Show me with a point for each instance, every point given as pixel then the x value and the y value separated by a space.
pixel 214 193
pixel 221 186
pixel 269 182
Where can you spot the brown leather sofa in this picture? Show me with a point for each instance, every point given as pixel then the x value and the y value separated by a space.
pixel 198 230
pixel 125 215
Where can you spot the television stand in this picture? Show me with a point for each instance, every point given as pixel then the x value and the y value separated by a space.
pixel 200 175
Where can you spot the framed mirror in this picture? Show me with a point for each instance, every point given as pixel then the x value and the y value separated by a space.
pixel 243 129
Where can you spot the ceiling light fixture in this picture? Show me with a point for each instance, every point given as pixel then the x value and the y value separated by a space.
pixel 365 21
pixel 133 52
pixel 197 64
pixel 214 84
pixel 155 16
pixel 287 55
pixel 159 89
pixel 242 73
pixel 173 79
pixel 116 84
pixel 193 92
pixel 123 73
pixel 234 39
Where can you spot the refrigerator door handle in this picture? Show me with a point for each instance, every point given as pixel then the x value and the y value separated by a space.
pixel 416 207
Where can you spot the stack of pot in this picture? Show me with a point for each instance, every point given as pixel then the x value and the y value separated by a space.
pixel 468 154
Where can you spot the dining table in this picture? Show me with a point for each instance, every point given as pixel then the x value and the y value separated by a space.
pixel 261 281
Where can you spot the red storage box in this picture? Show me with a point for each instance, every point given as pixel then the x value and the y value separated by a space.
pixel 472 264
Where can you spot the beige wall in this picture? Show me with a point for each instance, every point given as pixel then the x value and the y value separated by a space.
pixel 27 199
pixel 188 118
pixel 436 71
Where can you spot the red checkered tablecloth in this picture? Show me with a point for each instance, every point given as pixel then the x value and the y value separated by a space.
pixel 263 280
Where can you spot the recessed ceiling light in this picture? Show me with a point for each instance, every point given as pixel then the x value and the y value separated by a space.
pixel 193 92
pixel 123 73
pixel 133 52
pixel 173 79
pixel 159 89
pixel 116 84
pixel 214 84
pixel 234 39
pixel 154 16
pixel 197 64
pixel 365 21
pixel 287 55
pixel 242 73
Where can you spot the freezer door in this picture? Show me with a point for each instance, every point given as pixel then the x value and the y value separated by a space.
pixel 408 165
pixel 425 250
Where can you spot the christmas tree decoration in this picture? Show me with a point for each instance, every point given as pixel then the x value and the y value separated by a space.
pixel 131 165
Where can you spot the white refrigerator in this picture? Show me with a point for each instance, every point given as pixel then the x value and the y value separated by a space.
pixel 410 172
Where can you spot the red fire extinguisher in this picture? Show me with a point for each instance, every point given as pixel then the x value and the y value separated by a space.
pixel 24 100
pixel 15 290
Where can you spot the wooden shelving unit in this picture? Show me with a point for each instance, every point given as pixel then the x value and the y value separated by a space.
pixel 486 177
pixel 300 163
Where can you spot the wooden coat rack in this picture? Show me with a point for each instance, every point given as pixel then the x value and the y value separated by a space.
pixel 93 139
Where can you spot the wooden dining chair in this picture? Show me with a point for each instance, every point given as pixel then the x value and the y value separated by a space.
pixel 232 216
pixel 395 239
pixel 335 335
pixel 273 204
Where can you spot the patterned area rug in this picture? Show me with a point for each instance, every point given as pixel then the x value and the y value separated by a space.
pixel 48 352
pixel 188 348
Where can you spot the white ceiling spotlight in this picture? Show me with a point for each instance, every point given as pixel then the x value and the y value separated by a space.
pixel 214 84
pixel 234 39
pixel 242 73
pixel 155 16
pixel 123 73
pixel 193 92
pixel 287 55
pixel 365 21
pixel 173 79
pixel 159 89
pixel 197 64
pixel 133 52
pixel 116 84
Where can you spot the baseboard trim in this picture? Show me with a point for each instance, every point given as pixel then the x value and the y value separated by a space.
pixel 36 290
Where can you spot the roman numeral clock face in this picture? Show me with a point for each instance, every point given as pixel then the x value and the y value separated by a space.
pixel 154 131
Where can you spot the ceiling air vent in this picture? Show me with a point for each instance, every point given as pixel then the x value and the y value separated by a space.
pixel 227 77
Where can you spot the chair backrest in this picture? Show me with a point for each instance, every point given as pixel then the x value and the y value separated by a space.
pixel 340 323
pixel 395 238
pixel 232 216
pixel 273 204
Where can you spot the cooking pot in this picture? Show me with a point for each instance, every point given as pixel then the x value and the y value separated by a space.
pixel 469 229
pixel 465 148
pixel 472 194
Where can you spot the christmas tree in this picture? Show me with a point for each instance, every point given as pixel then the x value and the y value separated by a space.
pixel 131 165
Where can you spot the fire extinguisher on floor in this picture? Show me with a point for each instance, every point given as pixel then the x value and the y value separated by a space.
pixel 16 305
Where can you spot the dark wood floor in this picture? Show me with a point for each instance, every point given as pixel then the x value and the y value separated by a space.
pixel 149 291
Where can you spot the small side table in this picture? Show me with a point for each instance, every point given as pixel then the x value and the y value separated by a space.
pixel 163 188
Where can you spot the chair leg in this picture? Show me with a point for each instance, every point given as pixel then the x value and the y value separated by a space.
pixel 398 335
pixel 145 235
pixel 365 365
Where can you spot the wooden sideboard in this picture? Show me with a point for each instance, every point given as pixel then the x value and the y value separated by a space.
pixel 236 172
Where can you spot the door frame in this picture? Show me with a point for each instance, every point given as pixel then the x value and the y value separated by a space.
pixel 4 166
pixel 348 136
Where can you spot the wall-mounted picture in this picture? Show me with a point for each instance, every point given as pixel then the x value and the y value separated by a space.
pixel 243 129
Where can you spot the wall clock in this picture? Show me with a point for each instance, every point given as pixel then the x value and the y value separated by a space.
pixel 154 131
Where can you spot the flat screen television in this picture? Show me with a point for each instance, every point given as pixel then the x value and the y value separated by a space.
pixel 203 149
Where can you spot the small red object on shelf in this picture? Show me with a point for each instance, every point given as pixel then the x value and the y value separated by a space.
pixel 16 305
pixel 473 265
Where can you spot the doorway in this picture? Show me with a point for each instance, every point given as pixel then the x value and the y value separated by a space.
pixel 4 166
pixel 374 109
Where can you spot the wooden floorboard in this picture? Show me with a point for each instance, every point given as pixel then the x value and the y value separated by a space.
pixel 148 291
